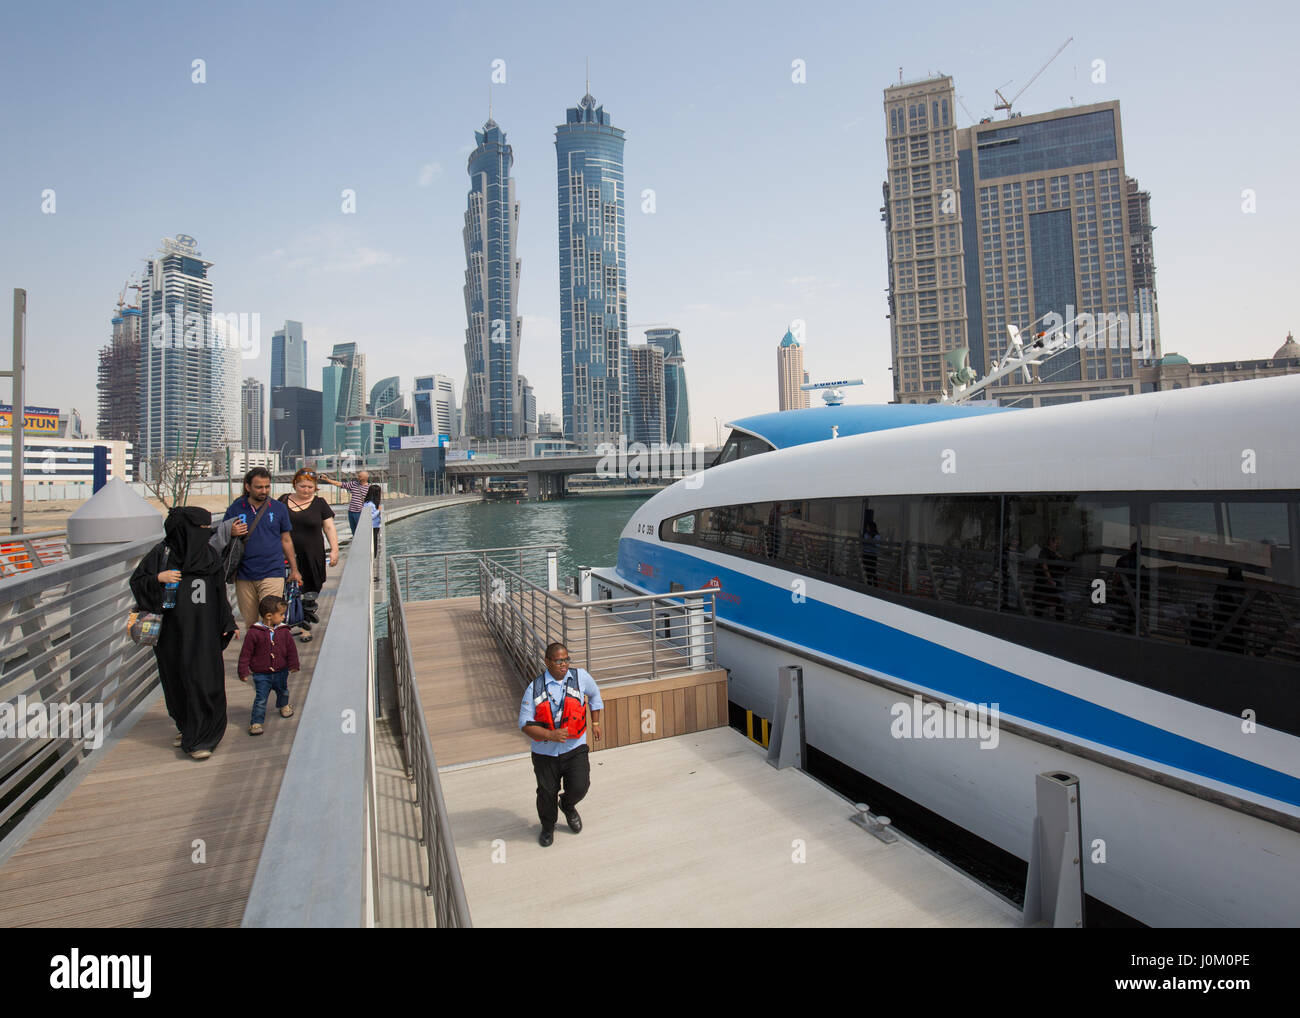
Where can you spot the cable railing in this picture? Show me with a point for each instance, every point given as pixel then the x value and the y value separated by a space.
pixel 445 886
pixel 68 672
pixel 640 637
pixel 429 575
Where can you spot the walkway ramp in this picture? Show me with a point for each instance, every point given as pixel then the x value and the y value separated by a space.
pixel 150 837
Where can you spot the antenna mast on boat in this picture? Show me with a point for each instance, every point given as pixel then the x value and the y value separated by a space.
pixel 1019 356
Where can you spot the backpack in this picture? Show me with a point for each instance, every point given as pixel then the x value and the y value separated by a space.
pixel 233 553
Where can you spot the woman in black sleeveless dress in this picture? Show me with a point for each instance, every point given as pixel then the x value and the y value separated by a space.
pixel 313 524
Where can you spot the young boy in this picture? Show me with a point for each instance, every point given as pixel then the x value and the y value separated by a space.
pixel 269 655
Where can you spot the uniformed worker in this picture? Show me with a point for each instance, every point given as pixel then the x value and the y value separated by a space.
pixel 554 716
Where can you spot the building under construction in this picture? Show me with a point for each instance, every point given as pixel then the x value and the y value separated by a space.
pixel 119 378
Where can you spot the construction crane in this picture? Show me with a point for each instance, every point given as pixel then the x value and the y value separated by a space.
pixel 1005 104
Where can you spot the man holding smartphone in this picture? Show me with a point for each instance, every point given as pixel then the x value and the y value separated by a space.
pixel 554 715
pixel 266 529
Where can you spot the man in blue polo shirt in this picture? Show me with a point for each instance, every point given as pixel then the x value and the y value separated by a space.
pixel 554 716
pixel 267 544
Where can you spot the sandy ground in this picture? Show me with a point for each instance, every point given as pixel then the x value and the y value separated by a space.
pixel 39 516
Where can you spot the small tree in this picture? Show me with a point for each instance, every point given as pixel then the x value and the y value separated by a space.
pixel 169 480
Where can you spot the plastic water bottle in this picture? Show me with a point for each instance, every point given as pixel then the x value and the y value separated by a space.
pixel 169 595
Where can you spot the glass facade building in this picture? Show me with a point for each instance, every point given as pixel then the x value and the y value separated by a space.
pixel 295 422
pixel 593 275
pixel 492 267
pixel 677 407
pixel 288 356
pixel 189 369
pixel 645 395
pixel 253 411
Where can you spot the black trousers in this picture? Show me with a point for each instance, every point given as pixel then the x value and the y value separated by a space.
pixel 574 769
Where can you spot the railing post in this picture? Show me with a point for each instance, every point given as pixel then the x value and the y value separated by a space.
pixel 654 638
pixel 552 570
pixel 695 633
pixel 584 583
pixel 586 637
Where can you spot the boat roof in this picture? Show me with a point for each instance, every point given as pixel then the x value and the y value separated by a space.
pixel 787 428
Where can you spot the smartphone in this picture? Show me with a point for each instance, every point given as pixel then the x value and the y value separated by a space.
pixel 243 518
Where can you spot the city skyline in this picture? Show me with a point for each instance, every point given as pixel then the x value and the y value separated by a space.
pixel 730 265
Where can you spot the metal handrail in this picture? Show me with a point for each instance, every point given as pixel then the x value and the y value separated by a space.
pixel 451 909
pixel 320 861
pixel 508 601
pixel 64 648
pixel 470 579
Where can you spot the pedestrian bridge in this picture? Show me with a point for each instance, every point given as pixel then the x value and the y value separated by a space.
pixel 401 793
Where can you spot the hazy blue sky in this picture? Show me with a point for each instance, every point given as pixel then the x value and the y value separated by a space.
pixel 767 191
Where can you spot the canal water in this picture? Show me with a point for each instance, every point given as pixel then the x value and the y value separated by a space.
pixel 585 529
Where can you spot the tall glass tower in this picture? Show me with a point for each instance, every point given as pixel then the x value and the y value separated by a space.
pixel 493 330
pixel 677 408
pixel 593 275
pixel 288 357
pixel 189 371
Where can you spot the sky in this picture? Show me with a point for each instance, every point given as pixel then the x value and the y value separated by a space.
pixel 766 190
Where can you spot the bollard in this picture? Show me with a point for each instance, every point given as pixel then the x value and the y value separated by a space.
pixel 1054 887
pixel 584 583
pixel 114 515
pixel 552 571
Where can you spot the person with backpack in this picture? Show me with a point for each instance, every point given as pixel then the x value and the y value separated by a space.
pixel 268 544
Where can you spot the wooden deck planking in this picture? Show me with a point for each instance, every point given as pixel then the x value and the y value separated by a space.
pixel 696 831
pixel 468 685
pixel 119 851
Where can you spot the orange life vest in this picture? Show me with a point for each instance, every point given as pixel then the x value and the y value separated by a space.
pixel 573 715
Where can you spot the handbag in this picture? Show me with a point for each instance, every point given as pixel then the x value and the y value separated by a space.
pixel 233 553
pixel 144 628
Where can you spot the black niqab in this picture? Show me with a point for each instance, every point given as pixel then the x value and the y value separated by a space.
pixel 186 532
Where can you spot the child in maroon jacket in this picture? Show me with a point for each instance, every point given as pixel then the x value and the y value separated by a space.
pixel 269 655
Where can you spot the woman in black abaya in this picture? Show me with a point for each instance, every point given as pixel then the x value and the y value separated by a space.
pixel 194 633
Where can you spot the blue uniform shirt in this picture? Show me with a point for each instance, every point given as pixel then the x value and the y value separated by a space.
pixel 263 553
pixel 555 690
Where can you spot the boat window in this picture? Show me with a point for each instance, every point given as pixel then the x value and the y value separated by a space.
pixel 1223 575
pixel 739 446
pixel 679 529
pixel 1071 558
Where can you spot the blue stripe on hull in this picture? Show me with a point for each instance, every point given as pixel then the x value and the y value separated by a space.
pixel 834 632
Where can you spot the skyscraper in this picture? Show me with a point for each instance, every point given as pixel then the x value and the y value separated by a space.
pixel 593 275
pixel 288 356
pixel 790 374
pixel 493 330
pixel 343 386
pixel 527 402
pixel 435 405
pixel 386 399
pixel 928 276
pixel 253 403
pixel 119 377
pixel 645 395
pixel 296 422
pixel 189 375
pixel 1142 265
pixel 1016 222
pixel 677 408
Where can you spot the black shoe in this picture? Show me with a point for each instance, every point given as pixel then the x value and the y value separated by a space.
pixel 574 821
pixel 545 838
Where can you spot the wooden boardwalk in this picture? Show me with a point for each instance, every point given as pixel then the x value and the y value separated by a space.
pixel 152 838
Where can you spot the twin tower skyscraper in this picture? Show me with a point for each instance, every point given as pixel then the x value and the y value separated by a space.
pixel 593 283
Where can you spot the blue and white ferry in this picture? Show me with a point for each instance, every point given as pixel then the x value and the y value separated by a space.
pixel 1118 580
